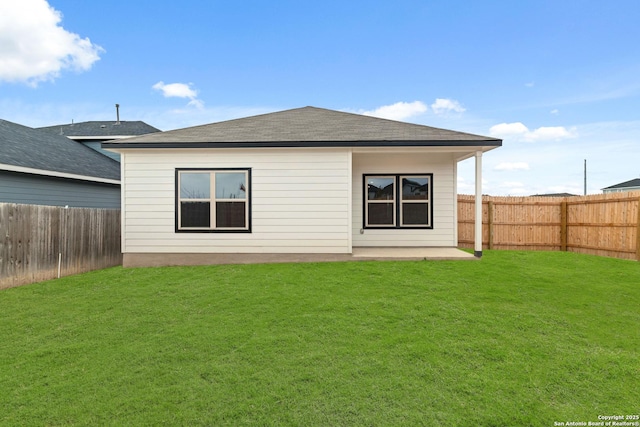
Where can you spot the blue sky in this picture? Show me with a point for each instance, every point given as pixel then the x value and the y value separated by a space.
pixel 559 81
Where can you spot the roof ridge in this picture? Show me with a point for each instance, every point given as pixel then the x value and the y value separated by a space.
pixel 311 125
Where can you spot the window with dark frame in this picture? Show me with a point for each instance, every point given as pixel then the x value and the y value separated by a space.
pixel 398 201
pixel 213 200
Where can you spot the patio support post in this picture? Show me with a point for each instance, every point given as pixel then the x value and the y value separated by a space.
pixel 478 217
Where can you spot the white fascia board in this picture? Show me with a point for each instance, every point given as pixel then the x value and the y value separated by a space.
pixel 22 169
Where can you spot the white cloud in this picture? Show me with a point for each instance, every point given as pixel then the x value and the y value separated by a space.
pixel 177 90
pixel 180 90
pixel 563 171
pixel 504 130
pixel 198 103
pixel 512 166
pixel 512 188
pixel 398 111
pixel 469 187
pixel 444 106
pixel 465 187
pixel 520 131
pixel 35 48
pixel 550 133
pixel 554 111
pixel 530 84
pixel 406 110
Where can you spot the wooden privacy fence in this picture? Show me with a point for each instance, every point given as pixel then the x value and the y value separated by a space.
pixel 45 242
pixel 604 224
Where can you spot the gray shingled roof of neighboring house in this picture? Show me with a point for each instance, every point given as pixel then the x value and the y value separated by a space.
pixel 554 195
pixel 633 183
pixel 31 148
pixel 306 127
pixel 98 129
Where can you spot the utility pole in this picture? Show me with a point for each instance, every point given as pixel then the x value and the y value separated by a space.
pixel 585 177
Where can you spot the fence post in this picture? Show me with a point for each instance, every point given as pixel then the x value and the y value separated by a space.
pixel 563 225
pixel 638 233
pixel 490 214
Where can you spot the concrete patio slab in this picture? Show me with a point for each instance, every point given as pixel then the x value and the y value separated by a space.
pixel 359 254
pixel 407 253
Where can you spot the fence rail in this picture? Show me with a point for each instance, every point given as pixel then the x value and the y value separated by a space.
pixel 604 224
pixel 44 242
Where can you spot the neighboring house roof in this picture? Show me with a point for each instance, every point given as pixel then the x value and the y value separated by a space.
pixel 101 130
pixel 554 195
pixel 306 127
pixel 633 183
pixel 24 149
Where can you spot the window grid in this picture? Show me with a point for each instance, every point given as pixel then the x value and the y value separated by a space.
pixel 391 201
pixel 212 200
pixel 216 199
pixel 426 200
pixel 399 202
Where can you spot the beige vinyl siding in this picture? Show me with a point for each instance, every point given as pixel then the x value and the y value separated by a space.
pixel 442 166
pixel 299 201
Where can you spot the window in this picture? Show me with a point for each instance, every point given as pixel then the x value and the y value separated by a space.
pixel 210 200
pixel 398 201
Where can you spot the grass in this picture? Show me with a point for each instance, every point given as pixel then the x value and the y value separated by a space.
pixel 519 338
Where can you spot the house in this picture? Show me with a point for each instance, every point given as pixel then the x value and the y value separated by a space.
pixel 632 185
pixel 93 133
pixel 41 168
pixel 301 181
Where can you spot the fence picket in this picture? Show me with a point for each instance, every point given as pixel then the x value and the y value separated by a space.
pixel 603 224
pixel 32 237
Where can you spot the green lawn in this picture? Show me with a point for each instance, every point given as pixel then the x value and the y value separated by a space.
pixel 517 339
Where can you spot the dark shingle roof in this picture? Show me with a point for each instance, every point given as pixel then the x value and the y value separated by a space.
pixel 31 148
pixel 554 195
pixel 633 183
pixel 308 126
pixel 123 128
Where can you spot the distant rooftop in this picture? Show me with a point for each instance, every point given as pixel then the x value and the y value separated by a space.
pixel 633 183
pixel 25 147
pixel 554 195
pixel 101 129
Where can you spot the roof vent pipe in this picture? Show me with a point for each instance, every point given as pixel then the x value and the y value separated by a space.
pixel 117 114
